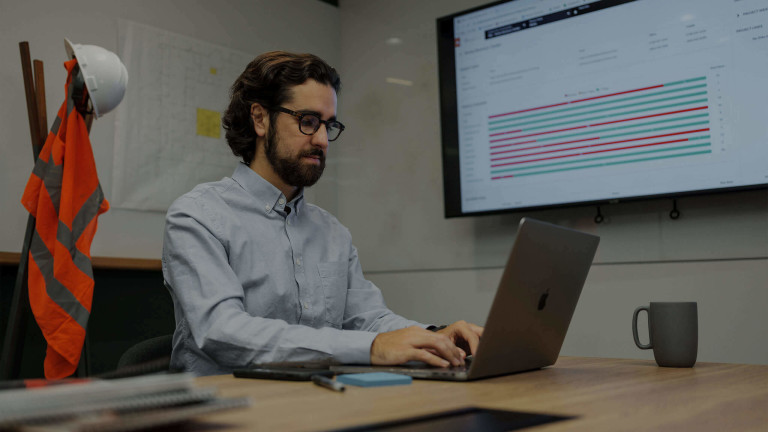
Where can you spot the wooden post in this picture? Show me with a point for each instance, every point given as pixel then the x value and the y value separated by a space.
pixel 40 101
pixel 13 344
pixel 32 109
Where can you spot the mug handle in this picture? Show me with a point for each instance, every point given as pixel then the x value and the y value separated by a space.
pixel 634 328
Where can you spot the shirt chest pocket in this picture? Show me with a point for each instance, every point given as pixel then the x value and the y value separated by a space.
pixel 333 277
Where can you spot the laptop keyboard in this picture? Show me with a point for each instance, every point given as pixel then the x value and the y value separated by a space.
pixel 449 370
pixel 414 369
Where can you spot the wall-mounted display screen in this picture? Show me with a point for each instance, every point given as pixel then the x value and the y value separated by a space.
pixel 551 102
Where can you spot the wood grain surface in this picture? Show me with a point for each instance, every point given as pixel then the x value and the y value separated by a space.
pixel 604 395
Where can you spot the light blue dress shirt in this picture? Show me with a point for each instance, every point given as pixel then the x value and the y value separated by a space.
pixel 256 279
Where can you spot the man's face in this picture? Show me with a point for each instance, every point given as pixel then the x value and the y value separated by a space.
pixel 298 159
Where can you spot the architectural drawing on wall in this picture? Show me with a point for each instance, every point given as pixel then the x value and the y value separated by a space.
pixel 168 135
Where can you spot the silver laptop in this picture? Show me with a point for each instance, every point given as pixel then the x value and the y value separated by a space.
pixel 531 311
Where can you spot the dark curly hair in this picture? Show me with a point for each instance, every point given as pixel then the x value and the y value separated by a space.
pixel 267 80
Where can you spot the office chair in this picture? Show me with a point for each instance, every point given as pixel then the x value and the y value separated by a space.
pixel 146 357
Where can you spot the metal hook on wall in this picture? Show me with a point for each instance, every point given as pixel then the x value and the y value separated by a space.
pixel 674 214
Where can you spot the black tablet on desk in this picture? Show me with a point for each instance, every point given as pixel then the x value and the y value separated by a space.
pixel 284 373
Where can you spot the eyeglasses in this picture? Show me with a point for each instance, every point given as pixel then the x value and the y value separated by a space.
pixel 310 123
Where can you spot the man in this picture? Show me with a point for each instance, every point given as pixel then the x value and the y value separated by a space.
pixel 258 275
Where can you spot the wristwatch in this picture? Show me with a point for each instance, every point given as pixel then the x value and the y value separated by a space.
pixel 435 328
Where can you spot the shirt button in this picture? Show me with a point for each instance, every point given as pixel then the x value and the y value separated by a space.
pixel 281 201
pixel 306 306
pixel 298 261
pixel 268 207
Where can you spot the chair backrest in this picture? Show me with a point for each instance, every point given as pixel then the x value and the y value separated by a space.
pixel 155 352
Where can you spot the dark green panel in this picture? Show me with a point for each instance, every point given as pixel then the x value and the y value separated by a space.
pixel 129 306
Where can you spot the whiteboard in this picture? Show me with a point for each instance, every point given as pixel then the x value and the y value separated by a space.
pixel 168 134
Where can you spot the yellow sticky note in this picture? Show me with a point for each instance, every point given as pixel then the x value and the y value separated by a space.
pixel 208 123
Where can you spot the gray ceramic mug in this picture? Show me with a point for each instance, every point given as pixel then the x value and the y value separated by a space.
pixel 673 329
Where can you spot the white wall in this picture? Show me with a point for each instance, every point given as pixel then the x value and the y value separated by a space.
pixel 438 270
pixel 251 26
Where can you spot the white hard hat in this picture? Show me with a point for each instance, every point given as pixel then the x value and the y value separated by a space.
pixel 104 75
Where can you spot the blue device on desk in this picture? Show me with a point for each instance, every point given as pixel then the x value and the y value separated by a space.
pixel 374 379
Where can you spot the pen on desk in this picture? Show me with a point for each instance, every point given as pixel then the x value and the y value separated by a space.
pixel 328 383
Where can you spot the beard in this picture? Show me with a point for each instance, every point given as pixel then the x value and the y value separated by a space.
pixel 290 169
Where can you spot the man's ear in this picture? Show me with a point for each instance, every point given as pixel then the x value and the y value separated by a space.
pixel 260 117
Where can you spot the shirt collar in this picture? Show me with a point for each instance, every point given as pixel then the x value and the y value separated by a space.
pixel 267 195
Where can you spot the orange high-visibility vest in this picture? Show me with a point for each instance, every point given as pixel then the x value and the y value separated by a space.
pixel 64 196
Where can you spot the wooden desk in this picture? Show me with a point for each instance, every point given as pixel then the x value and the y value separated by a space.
pixel 605 394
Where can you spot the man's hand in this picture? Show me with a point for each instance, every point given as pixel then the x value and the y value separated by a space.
pixel 415 343
pixel 434 348
pixel 464 335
